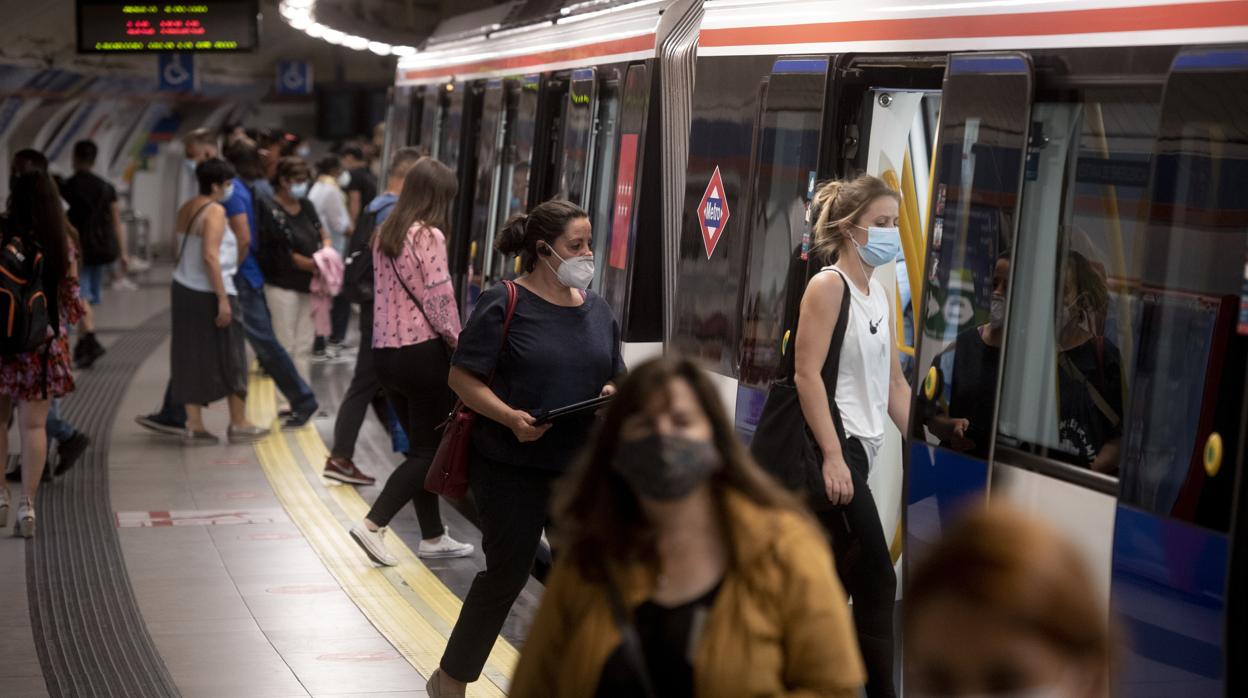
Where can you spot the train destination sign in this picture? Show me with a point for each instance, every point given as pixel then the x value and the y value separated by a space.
pixel 213 26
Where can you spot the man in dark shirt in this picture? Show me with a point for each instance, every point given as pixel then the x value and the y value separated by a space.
pixel 95 213
pixel 362 188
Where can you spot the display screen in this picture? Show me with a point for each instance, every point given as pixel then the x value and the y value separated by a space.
pixel 210 26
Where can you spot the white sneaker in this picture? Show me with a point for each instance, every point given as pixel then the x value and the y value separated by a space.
pixel 26 519
pixel 445 547
pixel 138 265
pixel 374 544
pixel 123 283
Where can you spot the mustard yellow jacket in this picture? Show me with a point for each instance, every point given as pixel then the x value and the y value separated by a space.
pixel 779 626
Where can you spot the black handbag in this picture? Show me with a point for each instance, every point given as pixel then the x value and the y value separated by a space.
pixel 783 444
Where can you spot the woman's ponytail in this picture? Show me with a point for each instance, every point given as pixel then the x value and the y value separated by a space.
pixel 510 238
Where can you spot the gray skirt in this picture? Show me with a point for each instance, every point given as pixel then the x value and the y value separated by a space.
pixel 207 363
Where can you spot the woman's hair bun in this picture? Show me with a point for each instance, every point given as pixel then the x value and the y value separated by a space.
pixel 510 238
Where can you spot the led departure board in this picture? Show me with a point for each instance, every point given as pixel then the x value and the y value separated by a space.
pixel 125 27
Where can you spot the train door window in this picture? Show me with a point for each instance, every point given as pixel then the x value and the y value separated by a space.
pixel 615 233
pixel 786 158
pixel 517 158
pixel 1183 432
pixel 452 134
pixel 485 198
pixel 432 124
pixel 606 143
pixel 985 108
pixel 398 119
pixel 1075 307
pixel 578 127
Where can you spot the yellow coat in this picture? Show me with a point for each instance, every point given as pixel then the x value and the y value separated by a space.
pixel 779 626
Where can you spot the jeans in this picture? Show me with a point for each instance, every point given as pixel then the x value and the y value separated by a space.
pixel 56 427
pixel 866 570
pixel 414 377
pixel 512 502
pixel 91 283
pixel 273 358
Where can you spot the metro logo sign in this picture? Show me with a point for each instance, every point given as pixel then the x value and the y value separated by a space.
pixel 713 213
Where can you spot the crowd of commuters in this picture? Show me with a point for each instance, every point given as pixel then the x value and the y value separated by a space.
pixel 683 567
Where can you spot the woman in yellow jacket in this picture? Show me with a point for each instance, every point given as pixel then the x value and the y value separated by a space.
pixel 685 571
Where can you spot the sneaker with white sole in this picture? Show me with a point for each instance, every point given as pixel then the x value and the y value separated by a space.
pixel 444 547
pixel 26 518
pixel 373 544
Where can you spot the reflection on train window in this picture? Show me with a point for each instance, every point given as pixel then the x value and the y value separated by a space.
pixel 1183 436
pixel 578 130
pixel 452 134
pixel 788 152
pixel 522 97
pixel 482 231
pixel 606 143
pixel 981 149
pixel 1071 337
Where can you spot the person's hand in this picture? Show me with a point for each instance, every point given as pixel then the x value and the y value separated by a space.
pixel 608 389
pixel 522 425
pixel 958 439
pixel 224 314
pixel 837 484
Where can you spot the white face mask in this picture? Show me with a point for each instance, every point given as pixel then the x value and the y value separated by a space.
pixel 577 272
pixel 996 313
pixel 227 193
pixel 299 190
pixel 344 179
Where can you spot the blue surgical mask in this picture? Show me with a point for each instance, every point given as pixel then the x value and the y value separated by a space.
pixel 299 190
pixel 883 246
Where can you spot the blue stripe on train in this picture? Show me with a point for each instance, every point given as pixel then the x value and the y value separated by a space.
pixel 939 484
pixel 1168 592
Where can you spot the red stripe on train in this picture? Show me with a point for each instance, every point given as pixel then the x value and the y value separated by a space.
pixel 518 63
pixel 1199 15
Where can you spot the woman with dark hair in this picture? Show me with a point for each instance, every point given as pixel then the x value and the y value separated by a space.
pixel 1003 605
pixel 208 360
pixel 30 380
pixel 727 584
pixel 415 327
pixel 563 347
pixel 848 392
pixel 290 233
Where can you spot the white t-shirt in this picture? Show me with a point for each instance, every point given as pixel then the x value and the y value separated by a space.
pixel 866 364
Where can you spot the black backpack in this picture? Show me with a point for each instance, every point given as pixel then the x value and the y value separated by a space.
pixel 357 277
pixel 24 318
pixel 99 240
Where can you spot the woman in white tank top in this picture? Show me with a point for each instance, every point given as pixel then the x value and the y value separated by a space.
pixel 856 229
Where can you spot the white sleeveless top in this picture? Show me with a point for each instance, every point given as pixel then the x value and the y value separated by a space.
pixel 191 271
pixel 866 364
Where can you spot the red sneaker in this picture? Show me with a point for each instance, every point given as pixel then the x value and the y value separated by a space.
pixel 343 470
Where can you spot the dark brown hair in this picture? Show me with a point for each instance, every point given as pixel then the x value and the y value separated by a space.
pixel 598 517
pixel 839 204
pixel 290 167
pixel 428 190
pixel 35 212
pixel 545 223
pixel 1016 571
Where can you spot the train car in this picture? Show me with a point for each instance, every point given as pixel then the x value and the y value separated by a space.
pixel 1080 161
pixel 567 107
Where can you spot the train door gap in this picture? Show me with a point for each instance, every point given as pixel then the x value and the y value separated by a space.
pixel 544 176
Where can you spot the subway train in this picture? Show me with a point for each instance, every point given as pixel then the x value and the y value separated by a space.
pixel 1081 162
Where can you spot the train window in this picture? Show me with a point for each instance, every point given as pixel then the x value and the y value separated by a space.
pixel 481 231
pixel 615 231
pixel 431 123
pixel 985 107
pixel 517 156
pixel 577 133
pixel 1074 308
pixel 786 160
pixel 398 119
pixel 1183 431
pixel 606 142
pixel 452 134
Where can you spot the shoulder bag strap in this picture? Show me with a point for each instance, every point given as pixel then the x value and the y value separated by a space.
pixel 394 267
pixel 630 640
pixel 186 236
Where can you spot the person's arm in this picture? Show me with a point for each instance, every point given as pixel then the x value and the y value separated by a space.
pixel 438 300
pixel 481 399
pixel 242 232
pixel 305 262
pixel 544 657
pixel 354 203
pixel 212 231
pixel 120 231
pixel 820 309
pixel 899 391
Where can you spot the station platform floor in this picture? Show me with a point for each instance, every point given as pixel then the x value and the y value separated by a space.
pixel 164 570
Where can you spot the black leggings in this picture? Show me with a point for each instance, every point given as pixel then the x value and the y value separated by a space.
pixel 866 570
pixel 414 378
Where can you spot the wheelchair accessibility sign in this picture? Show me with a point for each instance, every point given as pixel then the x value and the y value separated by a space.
pixel 294 78
pixel 176 72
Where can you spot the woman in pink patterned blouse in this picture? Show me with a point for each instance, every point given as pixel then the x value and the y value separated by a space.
pixel 415 327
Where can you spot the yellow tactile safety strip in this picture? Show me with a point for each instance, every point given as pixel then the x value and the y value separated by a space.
pixel 412 633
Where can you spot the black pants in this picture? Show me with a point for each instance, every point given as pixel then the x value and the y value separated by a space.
pixel 866 571
pixel 512 502
pixel 363 390
pixel 414 377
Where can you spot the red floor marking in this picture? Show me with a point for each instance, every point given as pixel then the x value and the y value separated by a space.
pixel 216 517
pixel 303 589
pixel 269 536
pixel 381 656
